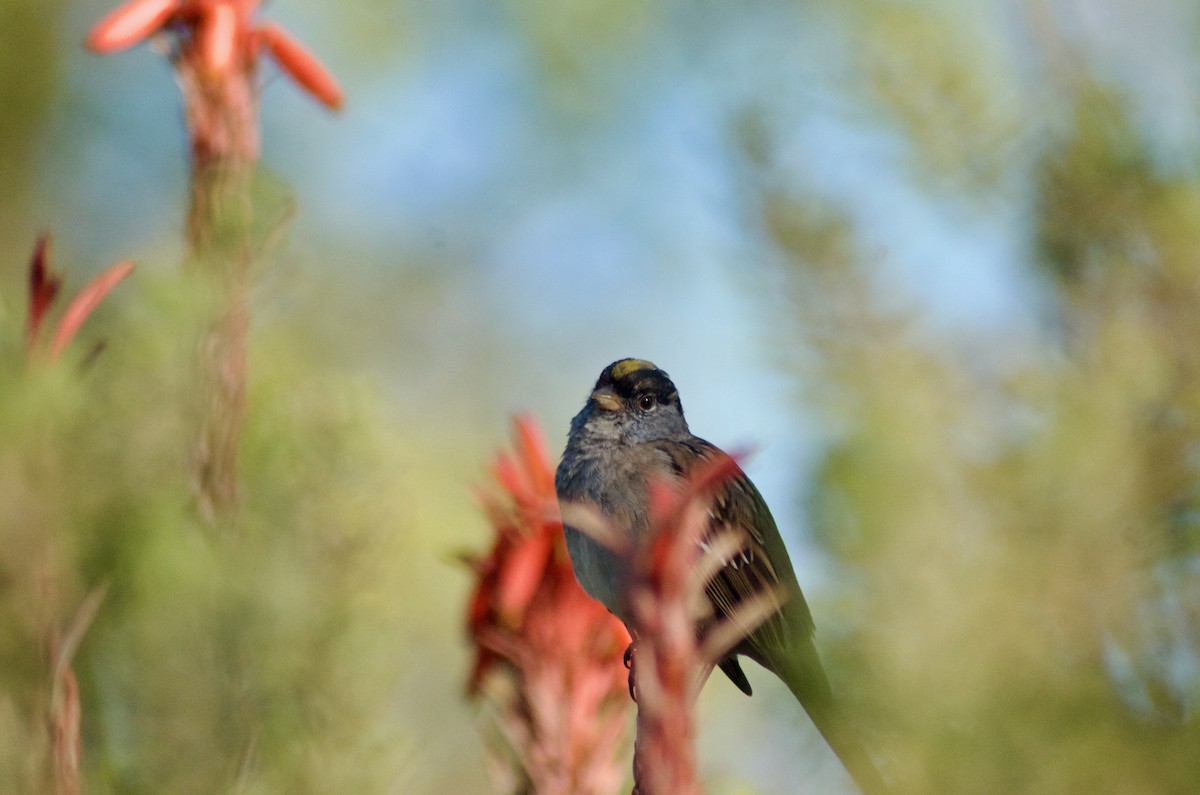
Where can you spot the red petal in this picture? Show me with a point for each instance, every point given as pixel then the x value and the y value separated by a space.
pixel 85 303
pixel 712 474
pixel 44 285
pixel 216 38
pixel 532 445
pixel 520 575
pixel 665 499
pixel 129 24
pixel 478 606
pixel 514 479
pixel 302 65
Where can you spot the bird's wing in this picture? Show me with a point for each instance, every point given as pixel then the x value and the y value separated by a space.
pixel 760 569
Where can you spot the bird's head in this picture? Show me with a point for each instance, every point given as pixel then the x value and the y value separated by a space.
pixel 633 401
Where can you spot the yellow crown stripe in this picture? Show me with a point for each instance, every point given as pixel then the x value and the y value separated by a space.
pixel 626 366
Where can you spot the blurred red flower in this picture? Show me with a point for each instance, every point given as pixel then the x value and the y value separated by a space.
pixel 44 287
pixel 218 36
pixel 547 656
pixel 670 568
pixel 679 637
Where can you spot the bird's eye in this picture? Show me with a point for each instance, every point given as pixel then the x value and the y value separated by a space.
pixel 646 402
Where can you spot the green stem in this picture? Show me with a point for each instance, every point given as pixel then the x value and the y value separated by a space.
pixel 223 122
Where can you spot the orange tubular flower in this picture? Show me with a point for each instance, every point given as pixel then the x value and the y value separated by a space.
pixel 130 24
pixel 562 705
pixel 217 37
pixel 222 36
pixel 303 67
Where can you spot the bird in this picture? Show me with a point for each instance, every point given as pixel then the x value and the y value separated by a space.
pixel 631 430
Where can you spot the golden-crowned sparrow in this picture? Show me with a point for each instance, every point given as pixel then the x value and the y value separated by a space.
pixel 632 429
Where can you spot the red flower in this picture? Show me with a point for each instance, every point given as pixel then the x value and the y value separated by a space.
pixel 563 711
pixel 221 36
pixel 44 286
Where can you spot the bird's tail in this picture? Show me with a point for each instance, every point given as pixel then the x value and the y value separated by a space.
pixel 811 689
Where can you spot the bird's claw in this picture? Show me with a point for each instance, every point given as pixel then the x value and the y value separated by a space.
pixel 632 678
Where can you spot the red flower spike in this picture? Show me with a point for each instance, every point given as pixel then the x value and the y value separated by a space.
pixel 562 712
pixel 129 24
pixel 44 286
pixel 669 614
pixel 85 303
pixel 308 72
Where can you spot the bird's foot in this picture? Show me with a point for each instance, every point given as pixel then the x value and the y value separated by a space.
pixel 632 677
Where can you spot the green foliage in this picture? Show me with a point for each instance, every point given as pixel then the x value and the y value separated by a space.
pixel 244 654
pixel 939 75
pixel 1016 541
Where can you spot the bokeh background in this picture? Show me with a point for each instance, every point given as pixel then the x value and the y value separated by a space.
pixel 936 264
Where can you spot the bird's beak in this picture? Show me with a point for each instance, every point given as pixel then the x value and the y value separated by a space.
pixel 606 399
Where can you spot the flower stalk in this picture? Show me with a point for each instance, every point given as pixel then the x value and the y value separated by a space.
pixel 216 48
